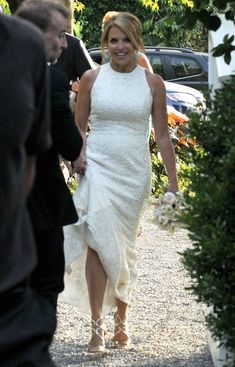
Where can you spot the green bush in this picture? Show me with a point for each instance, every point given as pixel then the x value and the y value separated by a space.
pixel 183 145
pixel 159 178
pixel 211 215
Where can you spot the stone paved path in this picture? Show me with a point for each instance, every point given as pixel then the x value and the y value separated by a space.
pixel 166 323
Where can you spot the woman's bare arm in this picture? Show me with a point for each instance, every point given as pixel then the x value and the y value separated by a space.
pixel 160 124
pixel 82 112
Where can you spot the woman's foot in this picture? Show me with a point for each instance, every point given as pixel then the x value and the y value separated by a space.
pixel 121 338
pixel 97 342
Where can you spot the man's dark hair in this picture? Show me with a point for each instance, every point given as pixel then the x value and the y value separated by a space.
pixel 40 12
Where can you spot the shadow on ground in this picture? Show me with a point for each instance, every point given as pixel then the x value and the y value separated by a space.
pixel 75 355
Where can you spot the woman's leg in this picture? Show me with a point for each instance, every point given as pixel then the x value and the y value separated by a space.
pixel 121 334
pixel 96 283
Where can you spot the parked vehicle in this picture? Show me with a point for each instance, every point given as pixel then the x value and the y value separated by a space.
pixel 178 65
pixel 183 98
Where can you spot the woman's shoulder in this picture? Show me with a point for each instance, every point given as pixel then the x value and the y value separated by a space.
pixel 143 60
pixel 90 76
pixel 91 73
pixel 155 79
pixel 156 83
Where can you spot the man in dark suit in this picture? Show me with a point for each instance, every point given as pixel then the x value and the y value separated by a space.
pixel 27 321
pixel 75 59
pixel 50 202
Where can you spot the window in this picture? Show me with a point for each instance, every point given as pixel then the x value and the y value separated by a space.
pixel 185 66
pixel 156 62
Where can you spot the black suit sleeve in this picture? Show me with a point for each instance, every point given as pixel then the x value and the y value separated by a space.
pixel 65 134
pixel 75 59
pixel 82 58
pixel 39 138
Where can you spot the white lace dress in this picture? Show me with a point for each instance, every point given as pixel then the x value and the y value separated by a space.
pixel 112 193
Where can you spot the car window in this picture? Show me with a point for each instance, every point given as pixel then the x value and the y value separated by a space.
pixel 205 57
pixel 156 62
pixel 97 57
pixel 185 66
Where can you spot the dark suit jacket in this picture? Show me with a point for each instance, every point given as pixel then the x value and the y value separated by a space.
pixel 75 59
pixel 50 202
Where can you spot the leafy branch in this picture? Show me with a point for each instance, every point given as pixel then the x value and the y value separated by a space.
pixel 225 49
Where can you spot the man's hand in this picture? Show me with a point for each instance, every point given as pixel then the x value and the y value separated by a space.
pixel 79 166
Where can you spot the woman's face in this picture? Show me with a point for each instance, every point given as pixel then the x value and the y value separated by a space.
pixel 122 52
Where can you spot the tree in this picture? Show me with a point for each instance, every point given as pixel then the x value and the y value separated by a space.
pixel 90 18
pixel 5 6
pixel 156 29
pixel 204 11
pixel 14 4
pixel 154 4
pixel 86 17
pixel 166 32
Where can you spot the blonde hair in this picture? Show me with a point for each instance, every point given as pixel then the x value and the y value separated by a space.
pixel 127 23
pixel 108 16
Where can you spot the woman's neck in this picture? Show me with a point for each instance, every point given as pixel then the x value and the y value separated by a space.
pixel 123 68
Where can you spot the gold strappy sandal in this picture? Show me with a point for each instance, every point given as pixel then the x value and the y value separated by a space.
pixel 122 327
pixel 97 329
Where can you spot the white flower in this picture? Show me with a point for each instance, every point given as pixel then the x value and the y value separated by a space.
pixel 162 220
pixel 167 209
pixel 179 194
pixel 157 211
pixel 170 198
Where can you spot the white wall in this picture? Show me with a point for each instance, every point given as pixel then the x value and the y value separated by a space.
pixel 218 69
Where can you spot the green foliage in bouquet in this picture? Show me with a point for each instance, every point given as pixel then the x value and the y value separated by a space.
pixel 5 6
pixel 210 217
pixel 72 184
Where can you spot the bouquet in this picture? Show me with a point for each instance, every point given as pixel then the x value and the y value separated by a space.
pixel 167 211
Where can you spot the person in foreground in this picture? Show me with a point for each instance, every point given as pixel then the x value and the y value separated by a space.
pixel 75 59
pixel 115 170
pixel 50 202
pixel 27 321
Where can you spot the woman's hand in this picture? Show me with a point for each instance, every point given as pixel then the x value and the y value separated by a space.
pixel 173 188
pixel 75 86
pixel 79 166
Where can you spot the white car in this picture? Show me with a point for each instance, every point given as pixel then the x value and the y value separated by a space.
pixel 184 99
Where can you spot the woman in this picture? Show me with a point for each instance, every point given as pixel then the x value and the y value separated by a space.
pixel 115 167
pixel 141 58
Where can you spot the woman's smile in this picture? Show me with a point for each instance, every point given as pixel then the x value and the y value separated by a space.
pixel 122 52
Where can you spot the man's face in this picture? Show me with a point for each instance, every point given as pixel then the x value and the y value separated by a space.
pixel 55 38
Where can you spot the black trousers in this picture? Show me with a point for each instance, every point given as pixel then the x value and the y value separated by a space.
pixel 27 325
pixel 48 277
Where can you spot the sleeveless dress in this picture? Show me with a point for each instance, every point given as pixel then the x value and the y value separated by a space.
pixel 112 194
pixel 138 54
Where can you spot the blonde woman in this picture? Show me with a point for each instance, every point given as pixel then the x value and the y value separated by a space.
pixel 141 58
pixel 115 171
